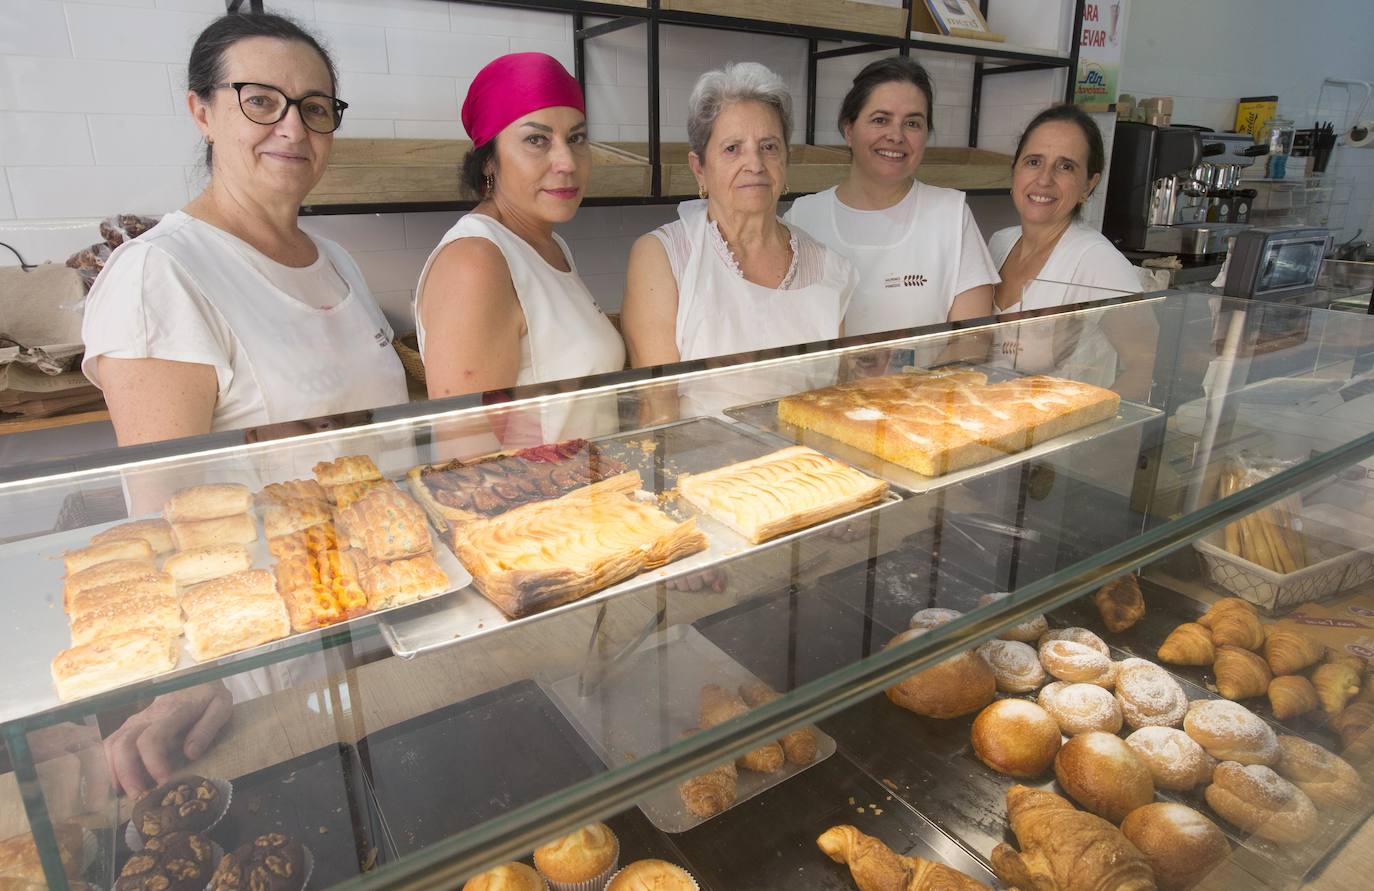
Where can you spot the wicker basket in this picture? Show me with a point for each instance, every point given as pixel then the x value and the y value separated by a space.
pixel 1339 569
pixel 408 348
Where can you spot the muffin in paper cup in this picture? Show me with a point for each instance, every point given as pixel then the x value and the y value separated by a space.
pixel 134 839
pixel 307 862
pixel 584 860
pixel 630 868
pixel 504 875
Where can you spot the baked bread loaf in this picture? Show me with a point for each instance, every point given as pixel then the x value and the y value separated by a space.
pixel 549 553
pixel 781 492
pixel 387 524
pixel 100 575
pixel 1261 802
pixel 1077 635
pixel 799 746
pixel 1182 846
pixel 512 876
pixel 238 529
pixel 1120 603
pixel 1336 684
pixel 1066 849
pixel 1291 696
pixel 1328 779
pixel 399 582
pixel 19 855
pixel 209 502
pixel 1234 621
pixel 201 564
pixel 933 617
pixel 1016 737
pixel 1175 759
pixel 1231 732
pixel 1077 664
pixel 1148 695
pixel 586 855
pixel 157 533
pixel 157 614
pixel 1289 651
pixel 1103 774
pixel 936 423
pixel 291 490
pixel 956 686
pixel 1081 708
pixel 1188 644
pixel 285 517
pixel 716 705
pixel 652 875
pixel 112 661
pixel 156 585
pixel 1028 631
pixel 1016 665
pixel 93 555
pixel 233 613
pixel 707 794
pixel 189 804
pixel 876 867
pixel 273 861
pixel 177 861
pixel 348 469
pixel 1240 673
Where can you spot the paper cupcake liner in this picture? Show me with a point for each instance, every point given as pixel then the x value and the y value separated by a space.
pixel 134 839
pixel 695 885
pixel 596 883
pixel 90 850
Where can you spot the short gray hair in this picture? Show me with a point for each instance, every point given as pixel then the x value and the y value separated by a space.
pixel 736 82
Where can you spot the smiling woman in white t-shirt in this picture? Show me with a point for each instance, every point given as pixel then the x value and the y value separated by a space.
pixel 226 314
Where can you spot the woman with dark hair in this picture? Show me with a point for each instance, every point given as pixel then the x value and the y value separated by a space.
pixel 1052 259
pixel 226 314
pixel 499 302
pixel 920 256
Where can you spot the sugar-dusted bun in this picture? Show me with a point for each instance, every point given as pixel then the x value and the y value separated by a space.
pixel 1016 665
pixel 933 617
pixel 1081 708
pixel 1182 845
pixel 1077 635
pixel 1028 631
pixel 1261 802
pixel 1149 696
pixel 1016 737
pixel 1231 732
pixel 1328 779
pixel 1174 758
pixel 1077 663
pixel 1104 775
pixel 956 686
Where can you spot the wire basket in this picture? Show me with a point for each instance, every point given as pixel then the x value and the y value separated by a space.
pixel 407 346
pixel 1340 568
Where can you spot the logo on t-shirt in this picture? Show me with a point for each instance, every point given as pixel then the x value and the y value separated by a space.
pixel 904 281
pixel 381 338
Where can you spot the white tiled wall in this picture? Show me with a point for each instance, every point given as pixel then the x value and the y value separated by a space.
pixel 93 119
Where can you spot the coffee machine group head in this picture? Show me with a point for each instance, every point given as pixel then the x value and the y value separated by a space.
pixel 1177 189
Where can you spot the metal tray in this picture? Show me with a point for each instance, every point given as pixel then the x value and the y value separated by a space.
pixel 764 416
pixel 38 633
pixel 660 454
pixel 651 702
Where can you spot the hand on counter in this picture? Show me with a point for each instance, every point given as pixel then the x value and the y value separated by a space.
pixel 707 579
pixel 148 748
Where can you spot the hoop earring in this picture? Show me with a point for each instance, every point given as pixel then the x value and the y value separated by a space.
pixel 490 185
pixel 701 192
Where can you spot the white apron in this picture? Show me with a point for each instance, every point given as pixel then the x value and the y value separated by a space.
pixel 719 313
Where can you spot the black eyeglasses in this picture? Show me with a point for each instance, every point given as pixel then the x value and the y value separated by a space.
pixel 265 104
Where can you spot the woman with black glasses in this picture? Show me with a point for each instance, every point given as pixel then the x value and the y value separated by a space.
pixel 226 314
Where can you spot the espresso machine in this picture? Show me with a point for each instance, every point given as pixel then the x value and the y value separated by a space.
pixel 1177 190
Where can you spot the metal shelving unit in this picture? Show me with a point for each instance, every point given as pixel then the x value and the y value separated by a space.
pixel 988 61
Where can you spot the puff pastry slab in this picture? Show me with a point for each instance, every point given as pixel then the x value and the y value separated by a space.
pixel 209 502
pixel 320 537
pixel 542 555
pixel 154 584
pixel 387 524
pixel 201 564
pixel 291 490
pixel 112 661
pixel 157 533
pixel 238 529
pixel 321 587
pixel 233 613
pixel 936 423
pixel 102 574
pixel 95 554
pixel 348 469
pixel 160 614
pixel 403 581
pixel 781 492
pixel 286 517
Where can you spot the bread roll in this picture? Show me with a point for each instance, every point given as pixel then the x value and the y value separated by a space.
pixel 1077 635
pixel 159 614
pixel 1016 737
pixel 1081 708
pixel 956 686
pixel 156 584
pixel 1328 779
pixel 933 617
pixel 1104 775
pixel 233 613
pixel 238 529
pixel 208 502
pixel 1148 695
pixel 1175 759
pixel 1261 802
pixel 1229 731
pixel 1016 665
pixel 1028 631
pixel 102 574
pixel 1077 663
pixel 201 564
pixel 110 662
pixel 1182 846
pixel 93 555
pixel 157 533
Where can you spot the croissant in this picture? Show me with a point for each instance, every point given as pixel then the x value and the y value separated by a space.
pixel 1288 651
pixel 876 867
pixel 1223 606
pixel 1120 602
pixel 711 792
pixel 1336 683
pixel 1188 644
pixel 1236 625
pixel 1065 849
pixel 1341 657
pixel 719 705
pixel 1356 727
pixel 799 746
pixel 1292 695
pixel 1240 673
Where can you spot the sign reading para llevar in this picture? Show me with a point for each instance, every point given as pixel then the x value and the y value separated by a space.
pixel 1099 54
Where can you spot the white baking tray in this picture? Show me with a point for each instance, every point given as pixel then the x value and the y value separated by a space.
pixel 650 701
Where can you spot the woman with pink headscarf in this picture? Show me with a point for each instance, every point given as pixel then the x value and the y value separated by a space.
pixel 499 302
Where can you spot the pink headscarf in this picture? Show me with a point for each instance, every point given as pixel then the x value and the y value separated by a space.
pixel 512 86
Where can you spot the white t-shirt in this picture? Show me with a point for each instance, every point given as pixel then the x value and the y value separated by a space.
pixel 286 343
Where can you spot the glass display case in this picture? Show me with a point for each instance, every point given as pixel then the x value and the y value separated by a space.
pixel 475 625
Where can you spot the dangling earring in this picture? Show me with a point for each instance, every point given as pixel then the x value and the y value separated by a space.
pixel 490 184
pixel 786 189
pixel 701 192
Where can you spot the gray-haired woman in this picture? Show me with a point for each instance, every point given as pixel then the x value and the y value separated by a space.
pixel 728 275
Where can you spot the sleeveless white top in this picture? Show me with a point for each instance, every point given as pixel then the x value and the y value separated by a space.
pixel 912 280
